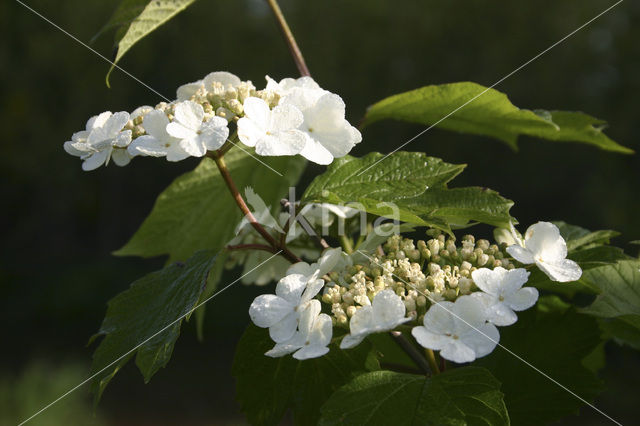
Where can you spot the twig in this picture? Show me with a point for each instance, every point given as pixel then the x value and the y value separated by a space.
pixel 224 172
pixel 288 36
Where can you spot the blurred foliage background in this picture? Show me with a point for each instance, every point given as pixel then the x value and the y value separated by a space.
pixel 60 224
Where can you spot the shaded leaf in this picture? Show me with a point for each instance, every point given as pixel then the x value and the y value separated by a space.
pixel 267 387
pixel 152 308
pixel 462 396
pixel 554 342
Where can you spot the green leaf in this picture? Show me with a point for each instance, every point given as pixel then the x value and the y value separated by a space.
pixel 554 342
pixel 624 330
pixel 401 175
pixel 152 308
pixel 267 387
pixel 471 108
pixel 137 18
pixel 619 286
pixel 462 396
pixel 197 211
pixel 577 237
pixel 212 285
pixel 410 187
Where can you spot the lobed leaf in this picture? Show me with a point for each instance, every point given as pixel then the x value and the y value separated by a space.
pixel 410 187
pixel 153 306
pixel 471 108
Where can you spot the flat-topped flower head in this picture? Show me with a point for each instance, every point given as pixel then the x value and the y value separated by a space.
pixel 328 134
pixel 385 313
pixel 544 246
pixel 502 293
pixel 271 132
pixel 312 338
pixel 157 142
pixel 280 312
pixel 458 330
pixel 197 136
pixel 102 140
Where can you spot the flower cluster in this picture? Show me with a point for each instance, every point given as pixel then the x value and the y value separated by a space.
pixel 286 118
pixel 453 296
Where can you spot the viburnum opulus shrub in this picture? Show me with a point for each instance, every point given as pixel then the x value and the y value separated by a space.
pixel 386 308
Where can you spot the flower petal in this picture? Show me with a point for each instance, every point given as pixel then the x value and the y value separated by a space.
pixel 543 240
pixel 564 270
pixel 429 340
pixel 513 280
pixel 522 299
pixel 189 114
pixel 311 351
pixel 362 321
pixel 489 281
pixel 115 123
pixel 290 288
pixel 520 254
pixel 147 145
pixel 193 146
pixel 214 133
pixel 121 157
pixel 349 341
pixel 388 310
pixel 439 318
pixel 284 329
pixel 482 339
pixel 457 351
pixel 96 160
pixel 268 309
pixel 179 131
pixel 186 91
pixel 155 124
pixel 313 287
pixel 314 151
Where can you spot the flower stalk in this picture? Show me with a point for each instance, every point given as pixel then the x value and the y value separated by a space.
pixel 289 38
pixel 411 350
pixel 224 172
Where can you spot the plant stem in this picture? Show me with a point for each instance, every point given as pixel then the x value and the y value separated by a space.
pixel 224 171
pixel 413 353
pixel 288 36
pixel 431 358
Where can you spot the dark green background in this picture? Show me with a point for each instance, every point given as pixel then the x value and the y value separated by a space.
pixel 59 224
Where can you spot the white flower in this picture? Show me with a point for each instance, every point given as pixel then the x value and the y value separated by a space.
pixel 544 246
pixel 186 91
pixel 312 338
pixel 385 313
pixel 502 293
pixel 196 136
pixel 102 140
pixel 328 134
pixel 219 82
pixel 157 142
pixel 331 259
pixel 272 132
pixel 280 312
pixel 458 330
